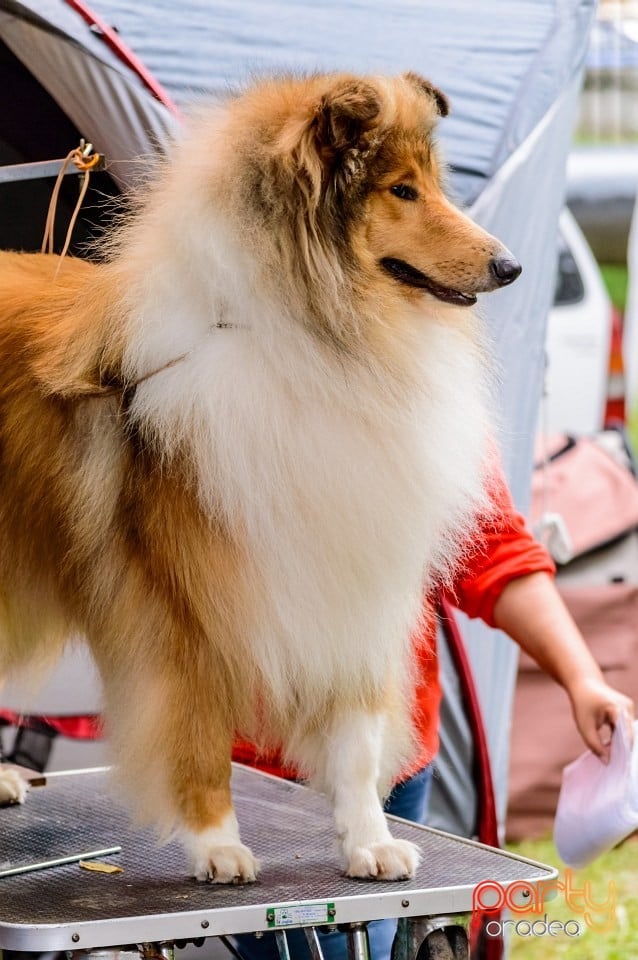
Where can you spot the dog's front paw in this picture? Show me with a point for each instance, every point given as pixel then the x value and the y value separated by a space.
pixel 390 860
pixel 13 789
pixel 233 863
pixel 217 854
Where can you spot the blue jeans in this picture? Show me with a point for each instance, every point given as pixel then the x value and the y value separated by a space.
pixel 409 799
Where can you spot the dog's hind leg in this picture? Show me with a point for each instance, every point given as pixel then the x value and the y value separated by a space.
pixel 13 789
pixel 32 632
pixel 348 769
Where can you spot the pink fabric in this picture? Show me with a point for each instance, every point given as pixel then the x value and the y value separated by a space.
pixel 581 484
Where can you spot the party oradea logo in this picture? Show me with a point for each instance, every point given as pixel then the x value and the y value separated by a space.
pixel 527 904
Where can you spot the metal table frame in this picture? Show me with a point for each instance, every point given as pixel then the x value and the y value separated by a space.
pixel 152 903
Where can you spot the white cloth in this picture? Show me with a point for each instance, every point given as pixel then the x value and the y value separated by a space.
pixel 598 802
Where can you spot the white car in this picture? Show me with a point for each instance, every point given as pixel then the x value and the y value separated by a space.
pixel 579 393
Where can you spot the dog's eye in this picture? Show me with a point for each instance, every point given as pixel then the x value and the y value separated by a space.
pixel 404 192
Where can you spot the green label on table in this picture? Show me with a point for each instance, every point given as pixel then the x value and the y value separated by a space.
pixel 301 915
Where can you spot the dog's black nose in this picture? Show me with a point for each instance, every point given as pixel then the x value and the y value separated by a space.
pixel 505 270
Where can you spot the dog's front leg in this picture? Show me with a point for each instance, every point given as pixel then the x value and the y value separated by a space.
pixel 216 851
pixel 200 783
pixel 348 769
pixel 171 722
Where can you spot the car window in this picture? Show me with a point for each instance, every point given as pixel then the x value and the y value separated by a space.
pixel 569 283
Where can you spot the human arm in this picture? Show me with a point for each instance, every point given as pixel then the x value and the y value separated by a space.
pixel 531 611
pixel 508 582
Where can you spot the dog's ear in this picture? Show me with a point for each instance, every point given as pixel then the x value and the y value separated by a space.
pixel 324 141
pixel 424 86
pixel 344 119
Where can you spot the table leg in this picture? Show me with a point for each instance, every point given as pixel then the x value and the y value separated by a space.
pixel 431 938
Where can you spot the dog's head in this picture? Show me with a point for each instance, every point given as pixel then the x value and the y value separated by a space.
pixel 357 168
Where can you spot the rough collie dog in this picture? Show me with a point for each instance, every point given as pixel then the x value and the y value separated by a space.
pixel 235 454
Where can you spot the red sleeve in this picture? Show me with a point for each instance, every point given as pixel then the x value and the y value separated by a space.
pixel 504 549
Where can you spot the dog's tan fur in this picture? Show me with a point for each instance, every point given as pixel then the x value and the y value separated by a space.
pixel 232 454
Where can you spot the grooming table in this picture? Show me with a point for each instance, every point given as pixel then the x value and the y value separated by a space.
pixel 288 826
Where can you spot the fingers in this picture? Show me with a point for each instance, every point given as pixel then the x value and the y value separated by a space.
pixel 621 709
pixel 598 709
pixel 604 734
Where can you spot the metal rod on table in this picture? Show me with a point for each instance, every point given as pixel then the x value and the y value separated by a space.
pixel 6 870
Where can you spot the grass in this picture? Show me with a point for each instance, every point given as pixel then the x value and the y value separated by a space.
pixel 618 943
pixel 615 277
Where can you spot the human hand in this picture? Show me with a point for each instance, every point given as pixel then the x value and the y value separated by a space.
pixel 597 708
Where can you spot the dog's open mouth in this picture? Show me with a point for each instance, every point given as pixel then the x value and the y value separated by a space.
pixel 412 277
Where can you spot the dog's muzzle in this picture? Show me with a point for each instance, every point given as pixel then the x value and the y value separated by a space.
pixel 501 272
pixel 407 274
